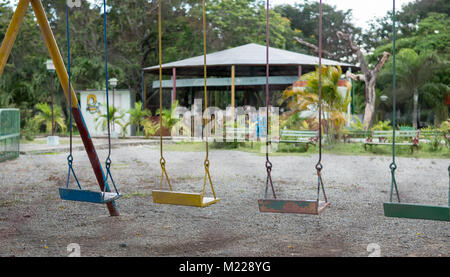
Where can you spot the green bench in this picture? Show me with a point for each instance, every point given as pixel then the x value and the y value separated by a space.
pixel 297 137
pixel 381 138
pixel 360 134
pixel 239 133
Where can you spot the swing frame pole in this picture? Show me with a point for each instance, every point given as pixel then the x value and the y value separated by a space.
pixel 63 77
pixel 77 116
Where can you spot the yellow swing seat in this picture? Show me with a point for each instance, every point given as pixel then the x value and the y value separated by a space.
pixel 182 198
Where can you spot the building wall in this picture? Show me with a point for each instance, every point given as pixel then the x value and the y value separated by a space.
pixel 93 104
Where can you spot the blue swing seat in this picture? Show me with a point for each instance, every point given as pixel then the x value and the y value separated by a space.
pixel 88 196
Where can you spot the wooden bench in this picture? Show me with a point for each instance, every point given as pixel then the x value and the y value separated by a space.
pixel 382 137
pixel 307 137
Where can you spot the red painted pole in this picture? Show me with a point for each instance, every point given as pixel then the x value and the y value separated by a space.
pixel 78 117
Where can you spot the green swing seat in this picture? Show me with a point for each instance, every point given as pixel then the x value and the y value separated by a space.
pixel 416 211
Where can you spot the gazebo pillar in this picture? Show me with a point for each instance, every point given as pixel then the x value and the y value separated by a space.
pixel 174 88
pixel 233 88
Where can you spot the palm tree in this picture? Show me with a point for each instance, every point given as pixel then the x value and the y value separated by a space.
pixel 413 71
pixel 334 104
pixel 44 117
pixel 114 116
pixel 137 114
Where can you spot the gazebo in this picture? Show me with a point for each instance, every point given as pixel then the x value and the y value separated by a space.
pixel 241 68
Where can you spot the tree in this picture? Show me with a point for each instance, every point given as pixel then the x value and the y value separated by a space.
pixel 369 77
pixel 432 35
pixel 380 31
pixel 237 22
pixel 304 19
pixel 334 104
pixel 413 72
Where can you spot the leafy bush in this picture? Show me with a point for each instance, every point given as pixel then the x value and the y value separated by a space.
pixel 44 117
pixel 114 116
pixel 150 127
pixel 382 126
pixel 357 125
pixel 168 116
pixel 292 148
pixel 136 116
pixel 434 135
pixel 30 130
pixel 445 126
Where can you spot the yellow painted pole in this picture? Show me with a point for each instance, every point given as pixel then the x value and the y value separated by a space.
pixel 12 32
pixel 54 51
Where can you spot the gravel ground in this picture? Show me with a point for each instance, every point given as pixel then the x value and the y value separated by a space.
pixel 35 222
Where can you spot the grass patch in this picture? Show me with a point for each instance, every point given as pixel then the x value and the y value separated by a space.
pixel 185 147
pixel 283 149
pixel 44 141
pixel 136 194
pixel 48 153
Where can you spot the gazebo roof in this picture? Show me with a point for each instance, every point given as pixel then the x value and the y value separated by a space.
pixel 249 59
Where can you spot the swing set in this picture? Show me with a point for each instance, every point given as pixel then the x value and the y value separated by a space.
pixel 81 195
pixel 104 196
pixel 314 207
pixel 406 210
pixel 169 196
pixel 175 197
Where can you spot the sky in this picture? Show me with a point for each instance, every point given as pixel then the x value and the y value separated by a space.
pixel 363 10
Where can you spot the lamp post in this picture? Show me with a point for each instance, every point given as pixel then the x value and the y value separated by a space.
pixel 113 83
pixel 52 140
pixel 384 99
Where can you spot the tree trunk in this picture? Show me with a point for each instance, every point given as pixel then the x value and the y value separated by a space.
pixel 369 110
pixel 416 108
pixel 369 77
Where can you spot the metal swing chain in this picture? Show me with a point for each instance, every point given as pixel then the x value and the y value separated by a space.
pixel 393 165
pixel 70 157
pixel 268 163
pixel 205 119
pixel 108 159
pixel 319 165
pixel 162 161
